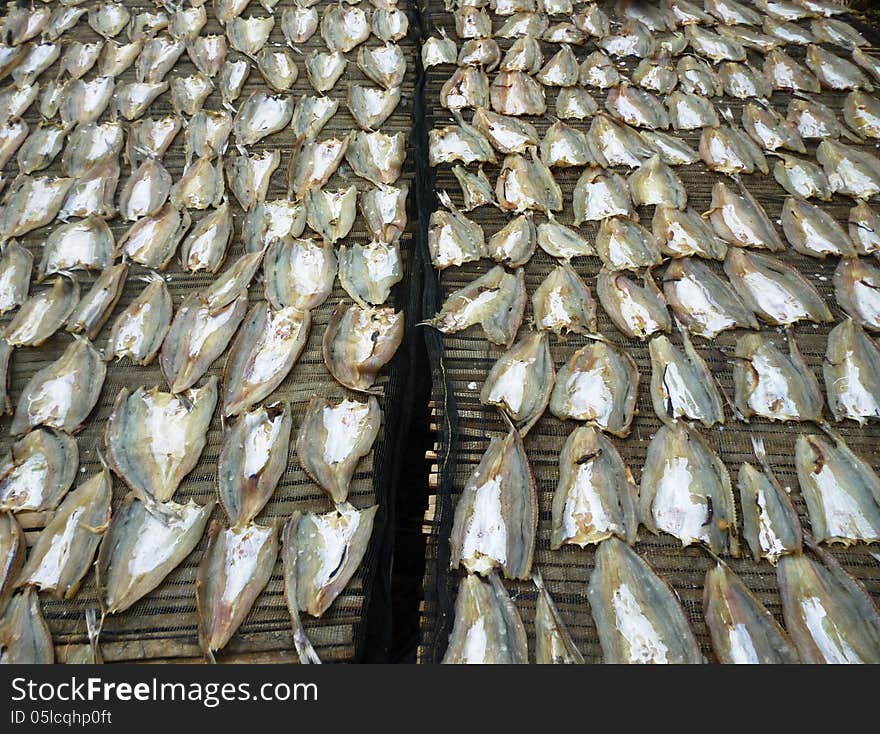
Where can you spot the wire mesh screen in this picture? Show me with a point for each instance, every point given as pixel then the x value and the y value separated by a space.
pixel 163 624
pixel 465 426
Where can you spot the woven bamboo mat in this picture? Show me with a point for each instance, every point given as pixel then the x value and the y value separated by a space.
pixel 465 427
pixel 162 626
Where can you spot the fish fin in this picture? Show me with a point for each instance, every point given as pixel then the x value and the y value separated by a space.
pixel 93 628
pixel 304 648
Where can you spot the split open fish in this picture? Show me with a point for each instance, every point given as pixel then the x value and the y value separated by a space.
pixel 344 27
pixel 272 220
pixel 834 72
pixel 599 194
pixel 85 244
pixel 299 273
pixel 31 203
pixel 377 157
pixel 16 265
pixel 684 233
pixel 153 462
pixel 453 239
pixel 37 471
pixel 368 272
pixel 260 115
pixel 249 176
pixel 12 554
pixel 851 171
pixel 857 291
pixel 562 303
pixel 207 134
pixel 94 143
pixel 25 638
pixel 138 332
pixel 741 81
pixel 310 116
pixel 553 642
pixel 43 313
pixel 201 185
pixel 331 214
pixel 334 437
pixel 513 244
pixel 152 241
pixel 147 138
pixel 384 211
pixel 95 307
pixel 801 177
pixel 727 149
pixel 314 162
pixel 812 231
pixel 359 341
pixel 637 311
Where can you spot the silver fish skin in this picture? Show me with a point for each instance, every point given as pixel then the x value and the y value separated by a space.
pixel 47 398
pixel 812 231
pixel 131 100
pixel 153 463
pixel 867 62
pixel 252 459
pixel 31 203
pixel 487 628
pixel 852 373
pixel 298 24
pixel 633 38
pixel 614 143
pixel 226 10
pixel 472 22
pixel 25 638
pixel 95 143
pixel 801 177
pixel 463 142
pixel 599 194
pixel 234 570
pixel 636 107
pixel 561 69
pixel 681 384
pixel 599 385
pixel 233 283
pixel 597 70
pixel 851 172
pixel 705 303
pixel 771 525
pixel 453 239
pixel 686 491
pixel 201 185
pixel 504 133
pixel 144 543
pixel 857 291
pixel 684 233
pixel 262 354
pixel 864 229
pixel 688 13
pixel 521 381
pixel 152 241
pixel 66 547
pixel 656 74
pixel 784 73
pixel 592 20
pixel 16 265
pixel 344 28
pixel 524 24
pixel 37 471
pixel 496 301
pixel 732 13
pixel 231 80
pixel 22 24
pixel 331 214
pixel 514 244
pixel 777 293
pixel 196 338
pixel 469 87
pixel 741 81
pixel 205 246
pixel 249 176
pixel 186 23
pixel 208 54
pixel 729 150
pixel 575 103
pixel 334 436
pixel 830 616
pixel 261 115
pixel 815 121
pixel 596 497
pixel 561 242
pixel 272 220
pixel 772 385
pixel 12 554
pixel 249 35
pixel 43 313
pixel 37 58
pixel 750 38
pixel 62 20
pixel 12 135
pixel 527 183
pixel 743 631
pixel 369 272
pixel 310 116
pixel 861 112
pixel 637 311
pixel 656 183
pixel 359 341
pixel 713 46
pixel 147 24
pixel 86 244
pixel 516 93
pixel 564 146
pixel 841 490
pixel 151 137
pixel 563 304
pixel 553 643
pixel 689 111
pixel 40 148
pixel 741 220
pixel 672 150
pixel 299 272
pixel 314 162
pixel 496 516
pixel 770 130
pixel 17 101
pixel 92 193
pixel 138 332
pixel 146 191
pixel 834 72
pixel 93 310
pixel 696 76
pixel 625 245
pixel 638 616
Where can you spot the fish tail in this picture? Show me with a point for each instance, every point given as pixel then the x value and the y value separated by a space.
pixel 304 648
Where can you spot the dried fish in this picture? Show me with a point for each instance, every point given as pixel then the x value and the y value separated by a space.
pixel 131 100
pixel 864 228
pixel 116 58
pixel 770 130
pixel 801 177
pixel 561 70
pixel 656 183
pixel 476 52
pixel 231 80
pixel 16 265
pixel 368 272
pixel 729 150
pixel 741 220
pixel 43 313
pixel 514 243
pixel 553 643
pixel 92 193
pixel 343 28
pixel 632 39
pixel 850 368
pixel 151 138
pixel 814 120
pixel 636 107
pixel 696 76
pixel 359 341
pixel 705 303
pixel 496 300
pixel 385 65
pixel 96 306
pixel 371 106
pixel 563 304
pixel 862 113
pixel 637 311
pixel 625 245
pixel 656 74
pixel 599 195
pixel 49 398
pixel 523 24
pixel 249 176
pixel 850 171
pixel 188 93
pixel 37 59
pixel 516 93
pixel 438 50
pixel 66 547
pixel 108 19
pixel 775 291
pixel 25 638
pixel 857 290
pixel 150 461
pixel 12 554
pixel 830 616
pixel 835 72
pixel 146 191
pixel 867 62
pixel 682 385
pixel 743 82
pixel 31 203
pixel 496 516
pixel 310 116
pixel 261 115
pixel 812 231
pixel 38 470
pixel 562 242
pixel 575 103
pixel 713 46
pixel 249 35
pixel 232 284
pixel 152 241
pixel 204 248
pixel 565 146
pixel 140 329
pixel 785 73
pixel 314 162
pixel 614 143
pixel 597 70
pixel 506 134
pixel 144 543
pixel 333 438
pixel 298 24
pixel 158 57
pixel 639 619
pixel 684 233
pixel 252 460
